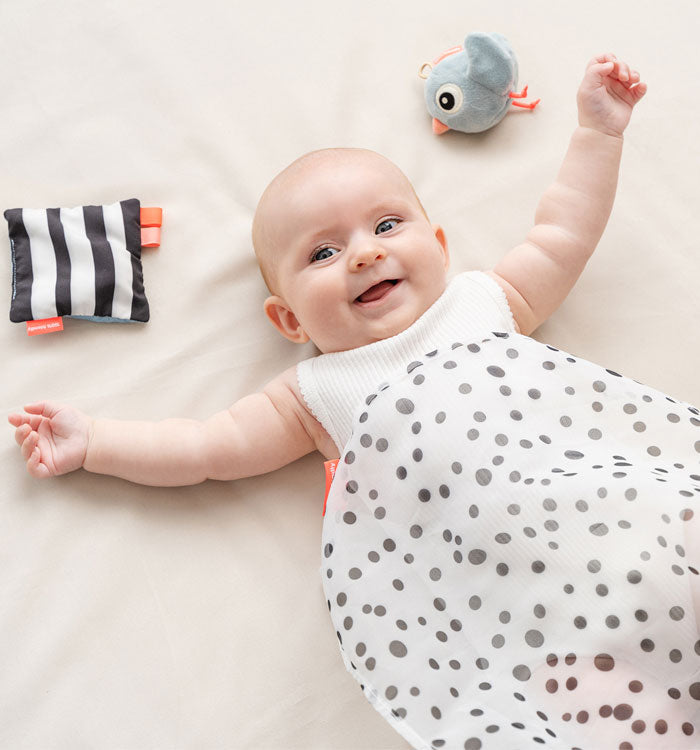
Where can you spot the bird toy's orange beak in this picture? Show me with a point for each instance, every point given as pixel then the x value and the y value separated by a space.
pixel 439 127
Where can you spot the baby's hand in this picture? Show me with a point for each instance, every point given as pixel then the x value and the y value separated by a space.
pixel 54 439
pixel 607 94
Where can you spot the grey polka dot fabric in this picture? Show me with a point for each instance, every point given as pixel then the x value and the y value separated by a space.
pixel 508 557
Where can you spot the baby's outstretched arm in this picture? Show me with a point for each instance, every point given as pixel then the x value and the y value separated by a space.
pixel 259 433
pixel 573 211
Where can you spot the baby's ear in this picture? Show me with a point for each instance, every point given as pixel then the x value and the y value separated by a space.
pixel 442 239
pixel 284 320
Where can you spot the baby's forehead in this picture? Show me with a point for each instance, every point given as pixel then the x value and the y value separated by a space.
pixel 332 179
pixel 333 165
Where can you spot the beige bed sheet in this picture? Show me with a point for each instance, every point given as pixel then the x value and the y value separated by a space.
pixel 144 618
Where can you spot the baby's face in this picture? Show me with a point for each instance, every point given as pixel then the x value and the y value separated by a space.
pixel 356 258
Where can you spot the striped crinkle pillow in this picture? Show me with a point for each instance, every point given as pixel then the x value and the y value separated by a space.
pixel 82 262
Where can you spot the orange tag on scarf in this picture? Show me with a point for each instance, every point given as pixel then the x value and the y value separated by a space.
pixel 330 473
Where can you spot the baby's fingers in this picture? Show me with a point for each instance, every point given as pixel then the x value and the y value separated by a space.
pixel 615 69
pixel 21 433
pixel 600 69
pixel 30 442
pixel 621 71
pixel 630 79
pixel 44 408
pixel 639 90
pixel 609 65
pixel 35 467
pixel 22 419
pixel 608 57
pixel 32 455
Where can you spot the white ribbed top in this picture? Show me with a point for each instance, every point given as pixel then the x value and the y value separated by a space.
pixel 335 385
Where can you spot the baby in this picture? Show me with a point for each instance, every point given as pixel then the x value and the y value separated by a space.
pixel 351 258
pixel 354 264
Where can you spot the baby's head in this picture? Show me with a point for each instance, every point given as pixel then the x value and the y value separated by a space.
pixel 346 249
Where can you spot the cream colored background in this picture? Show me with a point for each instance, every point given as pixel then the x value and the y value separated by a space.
pixel 135 617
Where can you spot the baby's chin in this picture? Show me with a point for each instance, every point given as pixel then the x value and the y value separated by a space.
pixel 382 327
pixel 378 331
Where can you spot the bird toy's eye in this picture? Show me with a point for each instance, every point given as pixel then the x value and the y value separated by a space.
pixel 449 97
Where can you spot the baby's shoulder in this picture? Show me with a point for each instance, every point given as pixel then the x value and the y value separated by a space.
pixel 286 395
pixel 286 386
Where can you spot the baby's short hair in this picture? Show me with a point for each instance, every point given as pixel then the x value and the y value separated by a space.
pixel 261 243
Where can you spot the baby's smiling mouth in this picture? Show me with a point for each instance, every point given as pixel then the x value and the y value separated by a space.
pixel 377 291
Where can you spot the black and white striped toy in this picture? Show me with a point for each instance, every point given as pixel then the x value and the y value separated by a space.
pixel 82 262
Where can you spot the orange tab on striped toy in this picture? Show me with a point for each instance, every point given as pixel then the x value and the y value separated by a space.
pixel 47 325
pixel 151 222
pixel 150 236
pixel 151 216
pixel 330 467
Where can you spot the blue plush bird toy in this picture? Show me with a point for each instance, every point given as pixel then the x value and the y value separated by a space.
pixel 471 88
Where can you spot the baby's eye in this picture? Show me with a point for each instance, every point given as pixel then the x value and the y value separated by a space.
pixel 386 225
pixel 323 254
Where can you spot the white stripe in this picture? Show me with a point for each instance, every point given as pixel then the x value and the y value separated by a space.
pixel 123 272
pixel 43 263
pixel 82 265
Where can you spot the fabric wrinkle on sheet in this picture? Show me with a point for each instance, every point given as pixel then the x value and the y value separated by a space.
pixel 505 556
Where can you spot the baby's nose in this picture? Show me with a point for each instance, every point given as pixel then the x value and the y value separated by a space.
pixel 366 256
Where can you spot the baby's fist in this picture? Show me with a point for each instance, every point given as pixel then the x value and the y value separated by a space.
pixel 53 438
pixel 607 94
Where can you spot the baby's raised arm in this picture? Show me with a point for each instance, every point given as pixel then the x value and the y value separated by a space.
pixel 257 434
pixel 538 274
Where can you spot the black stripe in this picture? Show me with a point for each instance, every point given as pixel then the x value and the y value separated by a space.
pixel 104 261
pixel 131 211
pixel 22 275
pixel 58 238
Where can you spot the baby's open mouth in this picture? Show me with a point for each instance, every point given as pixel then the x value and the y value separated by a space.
pixel 377 291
